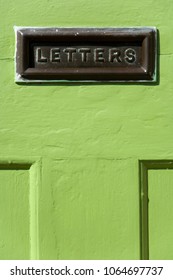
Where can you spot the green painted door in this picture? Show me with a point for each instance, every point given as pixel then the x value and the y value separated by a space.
pixel 69 153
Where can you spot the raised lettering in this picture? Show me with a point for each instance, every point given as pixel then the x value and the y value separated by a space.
pixel 84 53
pixel 98 55
pixel 130 55
pixel 39 56
pixel 70 52
pixel 55 55
pixel 115 55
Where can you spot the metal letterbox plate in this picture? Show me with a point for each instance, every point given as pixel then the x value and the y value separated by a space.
pixel 86 54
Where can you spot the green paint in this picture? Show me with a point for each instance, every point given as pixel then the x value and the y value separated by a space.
pixel 89 139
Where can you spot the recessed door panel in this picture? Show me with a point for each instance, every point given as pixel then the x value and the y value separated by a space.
pixel 160 194
pixel 156 211
pixel 14 214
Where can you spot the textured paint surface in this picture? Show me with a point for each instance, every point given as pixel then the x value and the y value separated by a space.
pixel 14 209
pixel 89 137
pixel 160 214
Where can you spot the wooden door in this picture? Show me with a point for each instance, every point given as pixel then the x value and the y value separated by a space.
pixel 70 186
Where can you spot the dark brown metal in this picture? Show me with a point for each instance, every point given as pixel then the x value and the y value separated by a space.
pixel 87 54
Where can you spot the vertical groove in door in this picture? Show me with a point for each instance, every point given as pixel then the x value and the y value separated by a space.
pixel 144 166
pixel 144 238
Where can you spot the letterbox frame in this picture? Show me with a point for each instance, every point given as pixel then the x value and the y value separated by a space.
pixel 147 72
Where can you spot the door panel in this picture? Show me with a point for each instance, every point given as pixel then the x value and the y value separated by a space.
pixel 94 210
pixel 14 213
pixel 160 195
pixel 156 178
pixel 19 187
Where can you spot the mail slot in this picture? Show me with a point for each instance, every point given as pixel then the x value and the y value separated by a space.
pixel 86 54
